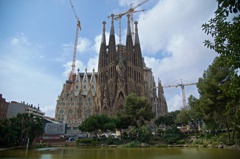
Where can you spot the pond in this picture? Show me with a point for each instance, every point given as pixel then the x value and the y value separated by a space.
pixel 121 153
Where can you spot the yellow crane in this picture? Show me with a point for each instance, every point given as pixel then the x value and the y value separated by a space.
pixel 76 38
pixel 130 12
pixel 182 85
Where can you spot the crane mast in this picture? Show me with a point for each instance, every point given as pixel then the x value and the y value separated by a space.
pixel 130 12
pixel 78 27
pixel 183 90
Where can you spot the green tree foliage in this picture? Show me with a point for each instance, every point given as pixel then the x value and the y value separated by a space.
pixel 16 131
pixel 192 114
pixel 138 109
pixel 225 30
pixel 172 135
pixel 144 134
pixel 96 123
pixel 123 121
pixel 141 134
pixel 232 6
pixel 168 119
pixel 220 110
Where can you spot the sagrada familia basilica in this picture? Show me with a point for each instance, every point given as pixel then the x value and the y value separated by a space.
pixel 121 71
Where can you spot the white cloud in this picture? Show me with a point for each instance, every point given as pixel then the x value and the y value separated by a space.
pixel 20 39
pixel 84 45
pixel 172 43
pixel 68 67
pixel 92 64
pixel 175 102
pixel 23 76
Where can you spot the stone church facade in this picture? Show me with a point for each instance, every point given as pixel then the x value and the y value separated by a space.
pixel 121 71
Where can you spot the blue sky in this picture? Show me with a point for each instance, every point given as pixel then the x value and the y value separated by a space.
pixel 37 36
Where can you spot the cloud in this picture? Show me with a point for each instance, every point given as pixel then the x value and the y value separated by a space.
pixel 20 39
pixel 84 45
pixel 172 43
pixel 68 67
pixel 23 75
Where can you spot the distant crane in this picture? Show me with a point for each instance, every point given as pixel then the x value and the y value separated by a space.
pixel 130 12
pixel 183 90
pixel 76 38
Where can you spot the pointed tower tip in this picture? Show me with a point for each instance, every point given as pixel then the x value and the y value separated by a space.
pixel 129 28
pixel 136 33
pixel 103 33
pixel 112 25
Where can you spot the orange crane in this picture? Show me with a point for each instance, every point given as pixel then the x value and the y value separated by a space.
pixel 183 90
pixel 76 38
pixel 130 12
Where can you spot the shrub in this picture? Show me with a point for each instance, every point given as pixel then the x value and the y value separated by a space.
pixel 132 144
pixel 180 142
pixel 172 136
pixel 112 140
pixel 87 141
pixel 144 134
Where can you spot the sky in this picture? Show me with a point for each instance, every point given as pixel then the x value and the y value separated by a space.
pixel 37 42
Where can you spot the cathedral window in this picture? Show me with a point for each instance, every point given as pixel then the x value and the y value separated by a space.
pixel 79 112
pixel 61 111
pixel 76 86
pixel 70 111
pixel 88 112
pixel 84 86
pixel 92 86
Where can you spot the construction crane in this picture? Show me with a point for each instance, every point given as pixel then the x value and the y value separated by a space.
pixel 183 90
pixel 76 38
pixel 130 12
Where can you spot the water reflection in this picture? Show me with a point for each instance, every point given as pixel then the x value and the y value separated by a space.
pixel 120 153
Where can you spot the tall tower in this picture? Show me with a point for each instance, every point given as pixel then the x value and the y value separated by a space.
pixel 120 71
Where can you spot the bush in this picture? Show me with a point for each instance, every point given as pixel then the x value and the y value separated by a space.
pixel 87 141
pixel 132 144
pixel 144 134
pixel 180 142
pixel 172 136
pixel 112 140
pixel 230 142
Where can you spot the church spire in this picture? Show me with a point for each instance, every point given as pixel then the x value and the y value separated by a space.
pixel 112 25
pixel 102 54
pixel 103 33
pixel 129 28
pixel 136 33
pixel 129 43
pixel 112 43
pixel 138 53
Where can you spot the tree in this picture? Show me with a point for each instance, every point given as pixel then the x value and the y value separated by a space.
pixel 168 119
pixel 191 114
pixel 225 32
pixel 218 108
pixel 16 130
pixel 95 123
pixel 195 112
pixel 226 6
pixel 123 121
pixel 138 109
